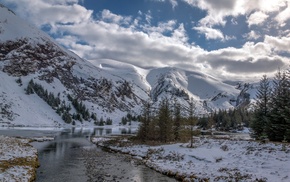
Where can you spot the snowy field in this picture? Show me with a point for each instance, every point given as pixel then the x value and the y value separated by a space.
pixel 212 159
pixel 18 160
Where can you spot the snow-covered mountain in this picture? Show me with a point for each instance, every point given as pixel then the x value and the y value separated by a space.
pixel 109 88
pixel 208 92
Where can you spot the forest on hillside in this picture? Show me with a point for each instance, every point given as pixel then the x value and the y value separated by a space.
pixel 269 118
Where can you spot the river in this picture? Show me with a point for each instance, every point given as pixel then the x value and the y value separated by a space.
pixel 72 157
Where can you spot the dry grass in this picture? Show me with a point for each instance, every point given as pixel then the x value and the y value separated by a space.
pixel 17 153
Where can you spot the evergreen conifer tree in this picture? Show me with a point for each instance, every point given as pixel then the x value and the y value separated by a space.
pixel 165 121
pixel 177 120
pixel 192 122
pixel 261 118
pixel 145 119
pixel 279 114
pixel 29 89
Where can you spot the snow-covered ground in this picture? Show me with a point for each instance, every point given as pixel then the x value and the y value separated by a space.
pixel 18 160
pixel 213 159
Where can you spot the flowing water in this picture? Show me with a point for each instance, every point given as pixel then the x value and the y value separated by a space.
pixel 71 157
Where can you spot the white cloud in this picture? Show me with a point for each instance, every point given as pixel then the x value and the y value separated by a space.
pixel 257 18
pixel 278 44
pixel 243 63
pixel 217 11
pixel 162 27
pixel 42 12
pixel 174 3
pixel 252 35
pixel 71 42
pixel 166 44
pixel 179 35
pixel 143 49
pixel 221 12
pixel 148 17
pixel 284 15
pixel 270 6
pixel 62 1
pixel 111 17
pixel 210 33
pixel 259 49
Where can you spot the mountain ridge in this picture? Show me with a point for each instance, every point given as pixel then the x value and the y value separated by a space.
pixel 108 88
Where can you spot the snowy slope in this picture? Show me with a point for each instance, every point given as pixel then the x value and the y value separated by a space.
pixel 213 159
pixel 27 53
pixel 27 109
pixel 124 70
pixel 209 93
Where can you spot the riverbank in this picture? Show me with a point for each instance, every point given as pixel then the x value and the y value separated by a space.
pixel 18 160
pixel 210 159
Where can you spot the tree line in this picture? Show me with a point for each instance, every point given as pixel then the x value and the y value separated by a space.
pixel 272 108
pixel 64 109
pixel 226 120
pixel 269 118
pixel 165 122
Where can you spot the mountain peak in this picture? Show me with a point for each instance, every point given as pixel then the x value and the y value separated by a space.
pixel 13 27
pixel 2 6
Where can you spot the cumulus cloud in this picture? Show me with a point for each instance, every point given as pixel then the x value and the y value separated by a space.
pixel 180 35
pixel 245 66
pixel 124 44
pixel 217 11
pixel 244 63
pixel 278 44
pixel 257 18
pixel 259 49
pixel 110 17
pixel 161 28
pixel 210 33
pixel 222 12
pixel 284 15
pixel 135 40
pixel 51 12
pixel 252 35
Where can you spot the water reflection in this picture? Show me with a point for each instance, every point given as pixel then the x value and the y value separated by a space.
pixel 101 131
pixel 72 157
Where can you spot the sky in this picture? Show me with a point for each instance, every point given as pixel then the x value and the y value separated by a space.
pixel 228 39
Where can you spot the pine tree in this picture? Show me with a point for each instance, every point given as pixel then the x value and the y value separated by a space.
pixel 145 119
pixel 102 122
pixel 261 118
pixel 165 121
pixel 109 121
pixel 210 122
pixel 29 89
pixel 276 130
pixel 94 116
pixel 124 120
pixel 203 122
pixel 177 120
pixel 226 121
pixel 287 108
pixel 191 118
pixel 67 117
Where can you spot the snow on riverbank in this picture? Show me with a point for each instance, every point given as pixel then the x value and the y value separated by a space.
pixel 213 159
pixel 18 160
